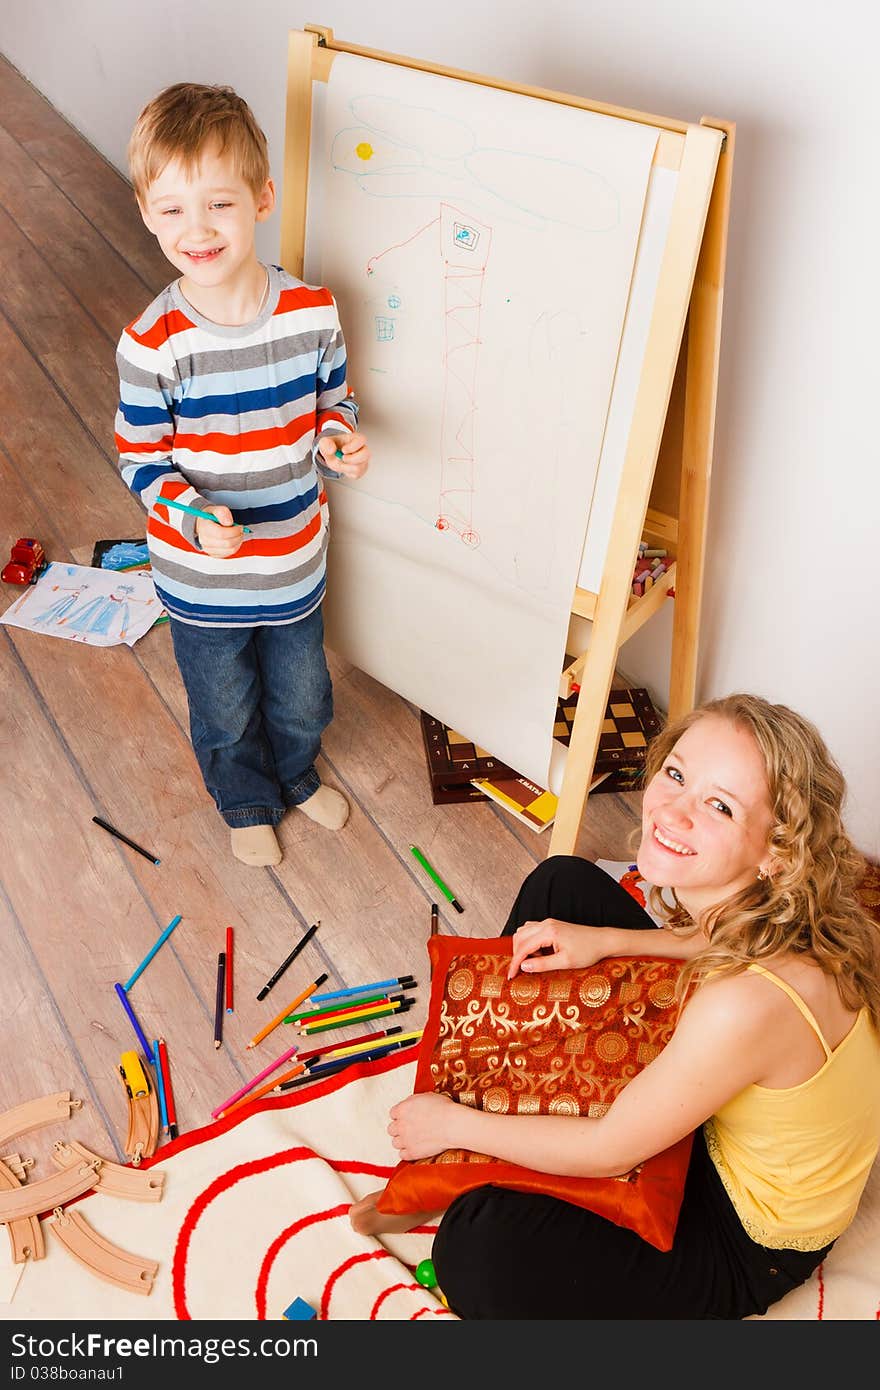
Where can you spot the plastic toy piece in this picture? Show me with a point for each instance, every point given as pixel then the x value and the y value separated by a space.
pixel 299 1311
pixel 143 1110
pixel 27 561
pixel 34 1113
pixel 112 1178
pixel 41 1196
pixel 25 1233
pixel 425 1274
pixel 135 1078
pixel 99 1256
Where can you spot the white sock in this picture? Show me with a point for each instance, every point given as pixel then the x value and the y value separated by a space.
pixel 255 845
pixel 326 807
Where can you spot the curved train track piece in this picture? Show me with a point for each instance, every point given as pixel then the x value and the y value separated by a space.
pixel 103 1259
pixel 25 1232
pixel 133 1184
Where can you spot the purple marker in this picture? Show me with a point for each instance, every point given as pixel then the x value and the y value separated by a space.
pixel 123 999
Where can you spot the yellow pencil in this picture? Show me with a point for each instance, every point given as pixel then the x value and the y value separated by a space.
pixel 353 1015
pixel 345 1019
pixel 279 1018
pixel 368 1046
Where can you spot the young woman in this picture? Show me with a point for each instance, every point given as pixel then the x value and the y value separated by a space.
pixel 775 1060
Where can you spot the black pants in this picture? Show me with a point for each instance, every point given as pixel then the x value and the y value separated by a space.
pixel 505 1254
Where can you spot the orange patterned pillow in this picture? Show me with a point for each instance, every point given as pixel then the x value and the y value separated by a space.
pixel 563 1042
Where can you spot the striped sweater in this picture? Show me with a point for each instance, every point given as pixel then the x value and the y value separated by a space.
pixel 212 414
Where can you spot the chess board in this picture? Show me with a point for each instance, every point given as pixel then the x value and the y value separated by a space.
pixel 453 759
pixel 630 723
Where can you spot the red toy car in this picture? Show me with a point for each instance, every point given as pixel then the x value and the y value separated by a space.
pixel 27 560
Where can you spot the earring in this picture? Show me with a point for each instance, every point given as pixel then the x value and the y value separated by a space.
pixel 763 874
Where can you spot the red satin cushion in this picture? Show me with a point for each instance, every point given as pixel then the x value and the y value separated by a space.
pixel 560 1042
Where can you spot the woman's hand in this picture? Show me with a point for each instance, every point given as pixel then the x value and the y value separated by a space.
pixel 553 945
pixel 423 1125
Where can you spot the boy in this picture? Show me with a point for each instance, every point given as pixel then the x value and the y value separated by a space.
pixel 233 400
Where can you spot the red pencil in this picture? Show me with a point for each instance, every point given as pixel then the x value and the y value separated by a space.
pixel 169 1094
pixel 229 970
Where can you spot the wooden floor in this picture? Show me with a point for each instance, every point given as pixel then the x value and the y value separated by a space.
pixel 87 731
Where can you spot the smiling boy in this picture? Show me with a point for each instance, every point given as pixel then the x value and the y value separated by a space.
pixel 234 401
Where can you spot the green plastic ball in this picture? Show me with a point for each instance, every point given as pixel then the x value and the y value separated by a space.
pixel 425 1274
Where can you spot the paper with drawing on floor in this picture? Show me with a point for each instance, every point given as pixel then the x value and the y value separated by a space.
pixel 98 607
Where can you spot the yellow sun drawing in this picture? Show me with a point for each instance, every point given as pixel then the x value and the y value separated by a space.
pixel 364 150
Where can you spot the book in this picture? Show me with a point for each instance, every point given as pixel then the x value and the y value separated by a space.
pixel 531 804
pixel 534 806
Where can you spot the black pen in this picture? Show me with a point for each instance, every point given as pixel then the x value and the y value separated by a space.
pixel 111 830
pixel 273 980
pixel 221 994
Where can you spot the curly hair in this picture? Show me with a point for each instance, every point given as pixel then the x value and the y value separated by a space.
pixel 186 117
pixel 808 904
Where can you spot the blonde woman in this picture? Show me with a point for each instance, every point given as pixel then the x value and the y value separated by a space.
pixel 775 1061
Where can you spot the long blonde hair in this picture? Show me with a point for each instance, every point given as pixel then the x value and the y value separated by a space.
pixel 808 905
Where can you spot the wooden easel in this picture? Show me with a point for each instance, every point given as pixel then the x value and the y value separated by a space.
pixel 663 491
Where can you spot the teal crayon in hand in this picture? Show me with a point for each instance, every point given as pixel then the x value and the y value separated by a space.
pixel 194 511
pixel 433 874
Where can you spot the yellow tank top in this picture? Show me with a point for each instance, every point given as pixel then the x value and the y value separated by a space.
pixel 794 1161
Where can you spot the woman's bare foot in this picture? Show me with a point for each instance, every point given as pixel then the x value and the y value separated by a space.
pixel 368 1221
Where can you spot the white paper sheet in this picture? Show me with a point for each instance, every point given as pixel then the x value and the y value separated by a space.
pixel 95 606
pixel 481 247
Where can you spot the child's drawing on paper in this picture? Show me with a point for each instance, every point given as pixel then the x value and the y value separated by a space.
pixel 88 605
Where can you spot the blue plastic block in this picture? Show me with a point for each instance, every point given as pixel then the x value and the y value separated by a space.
pixel 299 1311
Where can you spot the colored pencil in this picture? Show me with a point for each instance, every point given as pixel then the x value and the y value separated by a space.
pixel 160 1087
pixel 362 1018
pixel 271 1085
pixel 350 1015
pixel 433 874
pixel 218 1007
pixel 152 951
pixel 279 1018
pixel 435 919
pixel 169 1094
pixel 229 935
pixel 273 980
pixel 111 830
pixel 343 1007
pixel 407 981
pixel 330 1068
pixel 141 1035
pixel 255 1081
pixel 195 511
pixel 327 1048
pixel 365 1045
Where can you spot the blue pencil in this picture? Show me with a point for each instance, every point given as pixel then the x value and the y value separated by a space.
pixel 194 511
pixel 152 951
pixel 330 1068
pixel 407 981
pixel 160 1086
pixel 141 1037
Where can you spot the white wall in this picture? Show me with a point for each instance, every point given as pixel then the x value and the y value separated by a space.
pixel 792 574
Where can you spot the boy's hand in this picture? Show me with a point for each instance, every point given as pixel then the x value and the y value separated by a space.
pixel 222 538
pixel 355 454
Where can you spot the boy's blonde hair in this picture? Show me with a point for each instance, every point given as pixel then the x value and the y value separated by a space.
pixel 182 120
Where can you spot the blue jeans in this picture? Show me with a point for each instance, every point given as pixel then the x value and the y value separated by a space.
pixel 259 700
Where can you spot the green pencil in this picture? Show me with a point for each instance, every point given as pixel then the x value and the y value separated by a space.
pixel 433 874
pixel 194 511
